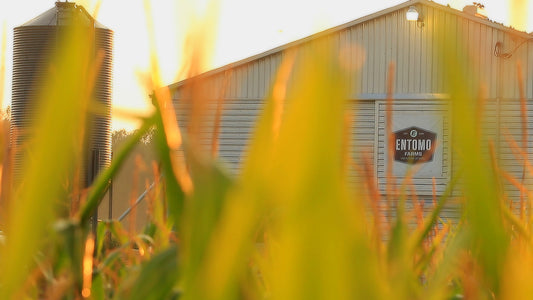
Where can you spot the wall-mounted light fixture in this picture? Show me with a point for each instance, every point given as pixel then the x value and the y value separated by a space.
pixel 413 15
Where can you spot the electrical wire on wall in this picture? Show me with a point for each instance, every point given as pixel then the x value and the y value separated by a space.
pixel 498 49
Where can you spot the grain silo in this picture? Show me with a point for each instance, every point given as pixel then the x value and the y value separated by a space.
pixel 35 42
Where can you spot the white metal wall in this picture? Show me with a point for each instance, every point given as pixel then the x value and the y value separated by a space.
pixel 420 58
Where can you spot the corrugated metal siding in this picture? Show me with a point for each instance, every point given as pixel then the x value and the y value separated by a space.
pixel 363 128
pixel 529 70
pixel 420 58
pixel 236 125
pixel 511 132
pixel 419 53
pixel 249 81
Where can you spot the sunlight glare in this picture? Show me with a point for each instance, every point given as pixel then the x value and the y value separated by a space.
pixel 518 13
pixel 267 25
pixel 3 64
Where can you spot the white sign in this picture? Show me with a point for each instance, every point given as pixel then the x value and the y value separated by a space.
pixel 417 143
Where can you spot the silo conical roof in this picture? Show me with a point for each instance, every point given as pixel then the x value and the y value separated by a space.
pixel 50 17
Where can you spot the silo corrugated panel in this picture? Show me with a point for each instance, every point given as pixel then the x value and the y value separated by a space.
pixel 101 124
pixel 34 44
pixel 32 48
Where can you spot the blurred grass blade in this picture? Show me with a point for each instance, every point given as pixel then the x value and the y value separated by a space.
pixel 202 216
pixel 155 280
pixel 420 234
pixel 55 148
pixel 303 179
pixel 483 213
pixel 224 261
pixel 100 185
pixel 3 65
pixel 172 166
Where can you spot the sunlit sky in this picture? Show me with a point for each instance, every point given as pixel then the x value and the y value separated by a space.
pixel 240 28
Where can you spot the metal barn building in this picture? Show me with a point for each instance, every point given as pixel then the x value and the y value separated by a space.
pixel 421 95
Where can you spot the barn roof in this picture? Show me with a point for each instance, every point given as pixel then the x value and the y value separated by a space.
pixel 404 5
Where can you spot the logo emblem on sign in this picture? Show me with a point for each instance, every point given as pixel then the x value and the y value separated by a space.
pixel 414 145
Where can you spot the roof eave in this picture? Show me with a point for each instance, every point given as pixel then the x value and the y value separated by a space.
pixel 350 24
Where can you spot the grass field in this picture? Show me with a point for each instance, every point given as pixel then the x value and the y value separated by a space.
pixel 289 226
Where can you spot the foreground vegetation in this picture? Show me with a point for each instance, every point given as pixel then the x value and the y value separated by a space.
pixel 290 225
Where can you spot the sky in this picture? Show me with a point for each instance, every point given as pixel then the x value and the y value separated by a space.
pixel 237 29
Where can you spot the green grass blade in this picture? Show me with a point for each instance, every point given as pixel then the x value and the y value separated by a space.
pixel 99 188
pixel 489 241
pixel 155 280
pixel 417 238
pixel 52 155
pixel 174 193
pixel 202 216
